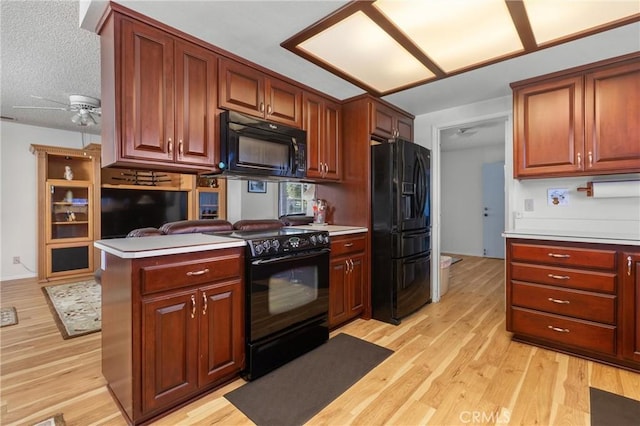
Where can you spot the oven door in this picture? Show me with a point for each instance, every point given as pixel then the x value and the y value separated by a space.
pixel 286 291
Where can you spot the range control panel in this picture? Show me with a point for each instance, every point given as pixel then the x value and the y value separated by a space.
pixel 288 243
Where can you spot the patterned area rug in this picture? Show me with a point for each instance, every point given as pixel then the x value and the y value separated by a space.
pixel 8 316
pixel 76 307
pixel 56 420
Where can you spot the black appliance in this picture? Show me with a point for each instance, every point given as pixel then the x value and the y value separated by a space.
pixel 401 229
pixel 287 296
pixel 252 147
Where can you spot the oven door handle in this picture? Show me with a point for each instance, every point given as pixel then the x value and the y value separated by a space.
pixel 290 256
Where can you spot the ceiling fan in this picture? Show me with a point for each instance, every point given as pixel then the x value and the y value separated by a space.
pixel 85 108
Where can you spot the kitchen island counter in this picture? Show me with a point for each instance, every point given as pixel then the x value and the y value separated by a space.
pixel 142 247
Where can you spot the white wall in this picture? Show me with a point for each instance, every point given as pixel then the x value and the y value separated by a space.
pixel 18 199
pixel 461 198
pixel 242 204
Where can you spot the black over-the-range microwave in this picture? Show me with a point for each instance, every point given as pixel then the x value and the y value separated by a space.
pixel 250 146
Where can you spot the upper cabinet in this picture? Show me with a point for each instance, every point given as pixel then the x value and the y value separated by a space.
pixel 250 91
pixel 581 123
pixel 159 99
pixel 388 123
pixel 323 124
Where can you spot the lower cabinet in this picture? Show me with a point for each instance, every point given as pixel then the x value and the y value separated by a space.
pixel 172 328
pixel 574 297
pixel 348 279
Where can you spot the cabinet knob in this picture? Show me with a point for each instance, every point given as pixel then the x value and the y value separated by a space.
pixel 269 110
pixel 261 106
pixel 558 301
pixel 204 303
pixel 579 161
pixel 590 159
pixel 193 306
pixel 180 148
pixel 558 329
pixel 170 147
pixel 559 256
pixel 558 277
pixel 629 266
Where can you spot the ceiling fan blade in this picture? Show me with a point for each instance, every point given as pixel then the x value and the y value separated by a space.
pixel 49 100
pixel 36 107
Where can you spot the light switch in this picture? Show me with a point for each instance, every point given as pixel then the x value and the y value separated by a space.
pixel 528 205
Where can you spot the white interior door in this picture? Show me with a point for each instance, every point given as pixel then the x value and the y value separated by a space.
pixel 493 209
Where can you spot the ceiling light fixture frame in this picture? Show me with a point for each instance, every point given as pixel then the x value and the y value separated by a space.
pixel 516 9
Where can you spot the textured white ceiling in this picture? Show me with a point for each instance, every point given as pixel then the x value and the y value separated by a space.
pixel 45 53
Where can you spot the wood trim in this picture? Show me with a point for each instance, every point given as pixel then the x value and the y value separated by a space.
pixel 521 21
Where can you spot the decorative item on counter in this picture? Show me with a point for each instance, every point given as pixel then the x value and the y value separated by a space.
pixel 320 212
pixel 68 198
pixel 68 173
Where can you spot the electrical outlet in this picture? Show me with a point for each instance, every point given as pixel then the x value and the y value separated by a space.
pixel 528 205
pixel 16 260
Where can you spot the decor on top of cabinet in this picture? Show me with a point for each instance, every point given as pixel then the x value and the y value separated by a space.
pixel 612 189
pixel 68 173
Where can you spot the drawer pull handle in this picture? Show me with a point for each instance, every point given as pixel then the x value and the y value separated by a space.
pixel 196 273
pixel 348 245
pixel 558 329
pixel 193 306
pixel 562 302
pixel 559 256
pixel 629 266
pixel 558 277
pixel 204 303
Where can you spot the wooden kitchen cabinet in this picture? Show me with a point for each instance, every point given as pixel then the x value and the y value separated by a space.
pixel 579 122
pixel 323 124
pixel 571 297
pixel 172 328
pixel 159 99
pixel 389 123
pixel 348 278
pixel 631 305
pixel 248 90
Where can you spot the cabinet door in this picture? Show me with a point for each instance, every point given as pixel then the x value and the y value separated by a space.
pixel 69 211
pixel 612 108
pixel 405 127
pixel 332 140
pixel 221 331
pixel 357 276
pixel 338 296
pixel 196 105
pixel 631 306
pixel 169 349
pixel 382 120
pixel 549 128
pixel 283 103
pixel 312 124
pixel 241 88
pixel 147 94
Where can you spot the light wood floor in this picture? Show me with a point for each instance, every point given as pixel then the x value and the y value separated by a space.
pixel 454 363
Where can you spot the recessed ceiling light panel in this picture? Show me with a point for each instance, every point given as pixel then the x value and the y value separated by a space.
pixel 456 34
pixel 359 47
pixel 555 19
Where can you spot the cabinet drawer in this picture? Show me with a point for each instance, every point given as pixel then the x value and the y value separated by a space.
pixel 187 273
pixel 565 331
pixel 564 277
pixel 559 255
pixel 347 245
pixel 574 303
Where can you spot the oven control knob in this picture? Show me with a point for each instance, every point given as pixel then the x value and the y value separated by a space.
pixel 258 248
pixel 266 244
pixel 313 239
pixel 275 244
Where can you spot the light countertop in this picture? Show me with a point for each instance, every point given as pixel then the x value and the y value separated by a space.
pixel 161 245
pixel 575 236
pixel 334 230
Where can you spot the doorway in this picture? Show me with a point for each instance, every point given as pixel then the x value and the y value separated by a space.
pixel 453 164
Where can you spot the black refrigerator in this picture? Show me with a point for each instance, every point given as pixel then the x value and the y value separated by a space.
pixel 401 229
